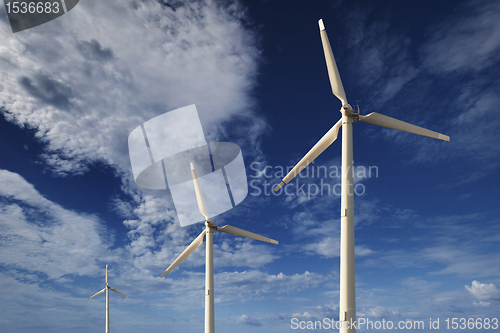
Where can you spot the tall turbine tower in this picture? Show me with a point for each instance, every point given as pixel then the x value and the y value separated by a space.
pixel 107 288
pixel 347 311
pixel 209 263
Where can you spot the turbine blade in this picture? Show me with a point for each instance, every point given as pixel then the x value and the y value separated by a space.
pixel 333 72
pixel 385 121
pixel 106 274
pixel 116 291
pixel 199 196
pixel 318 148
pixel 99 293
pixel 240 232
pixel 193 246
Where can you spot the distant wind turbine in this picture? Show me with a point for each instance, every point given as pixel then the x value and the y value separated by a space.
pixel 347 309
pixel 107 288
pixel 209 263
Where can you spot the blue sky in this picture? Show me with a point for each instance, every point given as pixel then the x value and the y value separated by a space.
pixel 427 227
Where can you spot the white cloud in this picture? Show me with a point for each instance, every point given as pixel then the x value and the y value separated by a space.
pixel 462 51
pixel 481 303
pixel 257 284
pixel 244 253
pixel 470 41
pixel 483 291
pixel 462 259
pixel 184 289
pixel 328 247
pixel 442 247
pixel 113 65
pixel 316 235
pixel 304 316
pixel 34 230
pixel 382 56
pixel 363 250
pixel 26 302
pixel 245 319
pixel 380 312
pixel 38 235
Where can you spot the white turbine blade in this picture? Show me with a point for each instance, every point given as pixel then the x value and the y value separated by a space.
pixel 116 291
pixel 199 196
pixel 318 148
pixel 333 72
pixel 193 246
pixel 106 274
pixel 240 232
pixel 385 121
pixel 99 293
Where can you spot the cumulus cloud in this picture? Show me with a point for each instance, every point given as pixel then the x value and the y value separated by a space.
pixel 111 66
pixel 483 291
pixel 328 247
pixel 258 284
pixel 184 289
pixel 306 315
pixel 246 320
pixel 84 91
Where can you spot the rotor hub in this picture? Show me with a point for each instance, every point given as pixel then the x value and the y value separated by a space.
pixel 347 110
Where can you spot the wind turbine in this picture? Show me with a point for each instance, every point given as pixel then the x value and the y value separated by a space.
pixel 209 263
pixel 107 288
pixel 347 307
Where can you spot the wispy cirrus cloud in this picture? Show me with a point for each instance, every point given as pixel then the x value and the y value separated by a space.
pixel 468 41
pixel 383 58
pixel 463 51
pixel 34 231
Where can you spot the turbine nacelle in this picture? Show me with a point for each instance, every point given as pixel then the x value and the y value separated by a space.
pixel 347 110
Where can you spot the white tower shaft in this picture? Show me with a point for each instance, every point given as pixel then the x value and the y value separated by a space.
pixel 107 308
pixel 209 281
pixel 347 312
pixel 347 306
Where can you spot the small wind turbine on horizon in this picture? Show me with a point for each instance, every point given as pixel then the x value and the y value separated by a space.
pixel 347 308
pixel 209 263
pixel 106 289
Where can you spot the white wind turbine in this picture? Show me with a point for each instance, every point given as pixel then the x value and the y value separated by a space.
pixel 209 263
pixel 106 289
pixel 347 307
